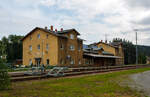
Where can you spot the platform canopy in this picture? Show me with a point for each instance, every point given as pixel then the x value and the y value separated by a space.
pixel 101 56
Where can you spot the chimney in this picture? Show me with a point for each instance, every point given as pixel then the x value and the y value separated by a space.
pixel 45 28
pixel 101 40
pixel 105 41
pixel 51 28
pixel 55 30
pixel 61 29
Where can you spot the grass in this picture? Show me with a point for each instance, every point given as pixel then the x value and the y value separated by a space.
pixel 100 85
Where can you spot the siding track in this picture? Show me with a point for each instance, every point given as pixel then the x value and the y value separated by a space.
pixel 19 76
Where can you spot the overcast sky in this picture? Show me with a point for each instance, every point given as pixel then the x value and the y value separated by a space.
pixel 92 18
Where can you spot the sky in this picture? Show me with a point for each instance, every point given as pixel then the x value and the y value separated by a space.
pixel 95 20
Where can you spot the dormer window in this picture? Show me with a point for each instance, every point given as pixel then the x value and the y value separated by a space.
pixel 38 36
pixel 71 36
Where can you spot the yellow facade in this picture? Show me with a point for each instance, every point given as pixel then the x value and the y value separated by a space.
pixel 54 49
pixel 115 50
pixel 107 47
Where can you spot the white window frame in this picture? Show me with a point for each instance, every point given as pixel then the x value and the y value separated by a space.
pixel 79 62
pixel 30 61
pixel 72 62
pixel 71 36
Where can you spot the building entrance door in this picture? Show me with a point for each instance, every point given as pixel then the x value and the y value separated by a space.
pixel 37 61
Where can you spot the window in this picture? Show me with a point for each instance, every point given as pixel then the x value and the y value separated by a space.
pixel 47 36
pixel 47 46
pixel 30 47
pixel 38 36
pixel 61 46
pixel 38 47
pixel 61 61
pixel 79 47
pixel 71 47
pixel 72 62
pixel 30 62
pixel 79 62
pixel 47 61
pixel 30 38
pixel 71 36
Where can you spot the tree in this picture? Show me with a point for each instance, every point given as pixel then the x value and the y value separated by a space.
pixel 142 58
pixel 129 50
pixel 4 77
pixel 11 47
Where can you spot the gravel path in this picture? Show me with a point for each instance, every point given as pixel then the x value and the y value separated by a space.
pixel 141 82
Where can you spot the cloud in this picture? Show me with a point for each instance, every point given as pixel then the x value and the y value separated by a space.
pixel 93 20
pixel 139 3
pixel 145 21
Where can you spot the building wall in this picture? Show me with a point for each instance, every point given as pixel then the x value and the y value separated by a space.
pixel 116 51
pixel 51 53
pixel 120 53
pixel 76 54
pixel 107 48
pixel 59 49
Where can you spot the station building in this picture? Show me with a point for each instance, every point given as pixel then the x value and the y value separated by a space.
pixel 64 48
pixel 103 54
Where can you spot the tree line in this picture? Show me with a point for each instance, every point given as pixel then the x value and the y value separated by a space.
pixel 11 48
pixel 130 51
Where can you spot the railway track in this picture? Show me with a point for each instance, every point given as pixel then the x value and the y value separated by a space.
pixel 19 76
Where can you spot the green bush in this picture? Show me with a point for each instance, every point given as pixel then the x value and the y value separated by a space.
pixel 4 77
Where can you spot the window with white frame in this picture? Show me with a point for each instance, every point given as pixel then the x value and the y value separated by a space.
pixel 38 47
pixel 72 62
pixel 71 36
pixel 38 36
pixel 79 62
pixel 30 62
pixel 30 47
pixel 47 46
pixel 72 47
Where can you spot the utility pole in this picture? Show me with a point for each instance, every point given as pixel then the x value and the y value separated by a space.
pixel 136 46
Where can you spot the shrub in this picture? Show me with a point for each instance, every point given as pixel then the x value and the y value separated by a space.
pixel 4 77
